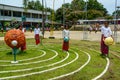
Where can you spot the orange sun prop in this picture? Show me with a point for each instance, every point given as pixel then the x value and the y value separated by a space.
pixel 17 35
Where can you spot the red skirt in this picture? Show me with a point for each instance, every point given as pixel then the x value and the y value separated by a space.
pixel 104 48
pixel 65 46
pixel 37 39
pixel 24 46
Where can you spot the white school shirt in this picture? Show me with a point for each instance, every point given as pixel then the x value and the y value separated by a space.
pixel 106 31
pixel 36 30
pixel 66 33
pixel 23 30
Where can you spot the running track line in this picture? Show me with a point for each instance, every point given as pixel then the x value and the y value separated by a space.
pixel 115 54
pixel 24 59
pixel 24 75
pixel 64 75
pixel 105 70
pixel 28 69
pixel 44 53
pixel 56 54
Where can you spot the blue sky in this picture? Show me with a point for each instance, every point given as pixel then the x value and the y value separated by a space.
pixel 108 4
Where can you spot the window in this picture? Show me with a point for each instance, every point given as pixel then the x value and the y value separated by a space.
pixel 5 13
pixel 16 14
pixel 27 15
pixel 34 15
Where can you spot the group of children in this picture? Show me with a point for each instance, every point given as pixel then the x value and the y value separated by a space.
pixel 37 32
pixel 65 34
pixel 105 30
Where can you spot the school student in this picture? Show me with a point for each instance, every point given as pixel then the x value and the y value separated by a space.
pixel 65 34
pixel 106 32
pixel 36 33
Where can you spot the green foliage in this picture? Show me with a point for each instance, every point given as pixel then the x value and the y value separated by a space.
pixel 36 5
pixel 59 14
pixel 108 17
pixel 78 5
pixel 95 5
pixel 25 4
pixel 92 14
pixel 77 10
pixel 117 13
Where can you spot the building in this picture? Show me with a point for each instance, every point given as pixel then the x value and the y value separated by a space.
pixel 11 14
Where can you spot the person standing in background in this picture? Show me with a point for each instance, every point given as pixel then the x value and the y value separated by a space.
pixel 36 33
pixel 65 34
pixel 2 30
pixel 106 32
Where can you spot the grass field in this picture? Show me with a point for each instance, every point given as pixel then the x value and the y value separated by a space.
pixel 47 61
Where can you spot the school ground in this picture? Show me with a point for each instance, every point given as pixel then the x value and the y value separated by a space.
pixel 76 35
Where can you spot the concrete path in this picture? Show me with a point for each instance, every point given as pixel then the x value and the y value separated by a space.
pixel 76 35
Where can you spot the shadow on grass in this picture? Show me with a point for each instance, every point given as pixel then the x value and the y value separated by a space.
pixel 19 52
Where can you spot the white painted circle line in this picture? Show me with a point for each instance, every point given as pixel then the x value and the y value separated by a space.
pixel 64 75
pixel 24 75
pixel 105 70
pixel 28 69
pixel 116 55
pixel 56 54
pixel 44 53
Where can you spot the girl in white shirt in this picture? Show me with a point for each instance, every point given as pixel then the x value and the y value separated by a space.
pixel 37 37
pixel 106 32
pixel 65 34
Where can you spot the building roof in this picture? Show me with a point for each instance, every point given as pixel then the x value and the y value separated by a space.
pixel 20 9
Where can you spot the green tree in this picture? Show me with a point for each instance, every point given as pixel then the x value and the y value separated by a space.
pixel 117 12
pixel 59 12
pixel 78 5
pixel 31 5
pixel 109 17
pixel 59 15
pixel 36 5
pixel 92 14
pixel 52 12
pixel 95 5
pixel 25 4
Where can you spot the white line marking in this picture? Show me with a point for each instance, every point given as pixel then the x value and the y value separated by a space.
pixel 105 70
pixel 28 69
pixel 44 53
pixel 24 75
pixel 116 55
pixel 56 54
pixel 58 77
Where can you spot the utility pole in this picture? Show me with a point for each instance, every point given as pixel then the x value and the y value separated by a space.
pixel 85 34
pixel 43 20
pixel 63 13
pixel 115 22
pixel 52 27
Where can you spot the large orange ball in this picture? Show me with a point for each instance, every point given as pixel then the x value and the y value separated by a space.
pixel 109 41
pixel 17 35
